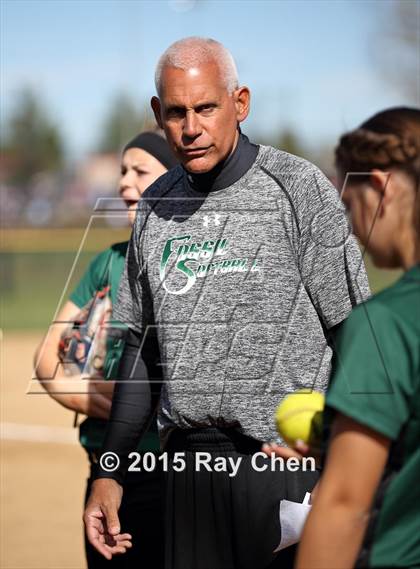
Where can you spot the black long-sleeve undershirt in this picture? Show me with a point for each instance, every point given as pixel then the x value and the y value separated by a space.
pixel 134 402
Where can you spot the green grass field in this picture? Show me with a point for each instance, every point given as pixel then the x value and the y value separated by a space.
pixel 32 286
pixel 36 266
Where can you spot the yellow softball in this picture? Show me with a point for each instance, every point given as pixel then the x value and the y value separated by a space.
pixel 299 417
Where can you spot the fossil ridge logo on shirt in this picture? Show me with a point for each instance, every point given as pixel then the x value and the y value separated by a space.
pixel 199 259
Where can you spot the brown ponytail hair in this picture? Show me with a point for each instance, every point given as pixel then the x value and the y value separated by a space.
pixel 389 139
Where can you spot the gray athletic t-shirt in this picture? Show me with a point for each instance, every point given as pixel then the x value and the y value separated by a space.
pixel 241 284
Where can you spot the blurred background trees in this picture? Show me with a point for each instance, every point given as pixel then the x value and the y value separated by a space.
pixel 32 143
pixel 122 122
pixel 397 49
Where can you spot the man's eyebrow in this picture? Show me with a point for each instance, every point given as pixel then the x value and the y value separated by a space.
pixel 204 103
pixel 175 107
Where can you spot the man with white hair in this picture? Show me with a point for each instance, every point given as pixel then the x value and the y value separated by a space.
pixel 241 261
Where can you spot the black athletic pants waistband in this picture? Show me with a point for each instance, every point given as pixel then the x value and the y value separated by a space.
pixel 212 439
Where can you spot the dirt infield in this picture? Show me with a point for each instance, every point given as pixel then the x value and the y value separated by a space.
pixel 42 483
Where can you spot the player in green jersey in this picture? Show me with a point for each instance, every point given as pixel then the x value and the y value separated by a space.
pixel 144 159
pixel 366 511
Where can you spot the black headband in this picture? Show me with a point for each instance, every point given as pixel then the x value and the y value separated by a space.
pixel 155 145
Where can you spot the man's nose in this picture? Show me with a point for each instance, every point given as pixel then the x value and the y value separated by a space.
pixel 192 127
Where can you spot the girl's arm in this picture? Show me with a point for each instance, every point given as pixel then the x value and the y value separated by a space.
pixel 335 528
pixel 89 396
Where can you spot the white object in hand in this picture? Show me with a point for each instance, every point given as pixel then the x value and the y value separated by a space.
pixel 292 519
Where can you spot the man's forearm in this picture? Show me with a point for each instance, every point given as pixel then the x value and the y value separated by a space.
pixel 131 409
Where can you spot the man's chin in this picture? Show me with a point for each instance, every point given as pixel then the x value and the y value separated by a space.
pixel 200 165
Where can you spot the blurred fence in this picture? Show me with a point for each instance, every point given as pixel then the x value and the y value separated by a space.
pixel 36 269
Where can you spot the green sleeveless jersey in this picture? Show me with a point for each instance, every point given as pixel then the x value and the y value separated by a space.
pixel 376 382
pixel 106 270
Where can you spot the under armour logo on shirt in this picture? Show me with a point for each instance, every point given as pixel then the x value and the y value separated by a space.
pixel 207 220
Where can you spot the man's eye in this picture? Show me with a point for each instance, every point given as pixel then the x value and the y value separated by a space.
pixel 175 112
pixel 206 109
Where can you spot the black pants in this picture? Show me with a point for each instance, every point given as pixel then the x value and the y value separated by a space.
pixel 217 521
pixel 140 515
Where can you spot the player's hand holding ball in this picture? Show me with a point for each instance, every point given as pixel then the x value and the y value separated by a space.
pixel 299 422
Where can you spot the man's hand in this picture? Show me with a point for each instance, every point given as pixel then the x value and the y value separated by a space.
pixel 101 518
pixel 299 451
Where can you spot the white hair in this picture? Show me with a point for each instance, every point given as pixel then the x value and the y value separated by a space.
pixel 193 52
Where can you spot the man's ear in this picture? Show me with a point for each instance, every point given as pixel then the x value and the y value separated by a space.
pixel 242 98
pixel 155 104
